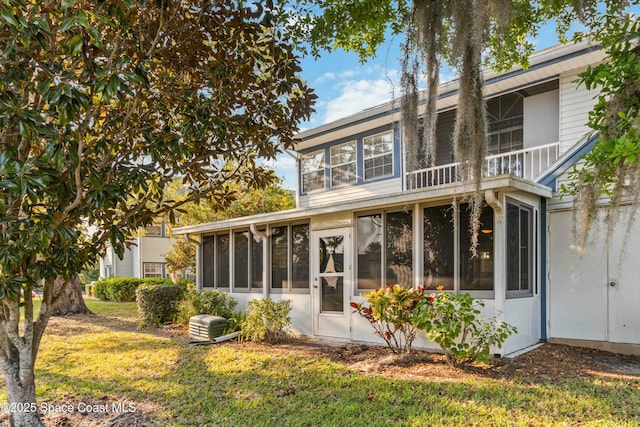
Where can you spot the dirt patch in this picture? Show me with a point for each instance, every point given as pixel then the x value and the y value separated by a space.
pixel 548 362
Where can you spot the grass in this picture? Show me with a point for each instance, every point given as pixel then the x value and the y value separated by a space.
pixel 231 385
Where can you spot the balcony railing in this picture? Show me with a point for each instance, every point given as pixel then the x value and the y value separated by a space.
pixel 526 163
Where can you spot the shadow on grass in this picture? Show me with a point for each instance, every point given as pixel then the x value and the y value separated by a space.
pixel 230 384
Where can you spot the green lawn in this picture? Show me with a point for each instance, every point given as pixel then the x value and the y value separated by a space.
pixel 227 385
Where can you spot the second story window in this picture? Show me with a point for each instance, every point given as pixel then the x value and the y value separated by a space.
pixel 343 164
pixel 154 230
pixel 505 123
pixel 313 171
pixel 378 155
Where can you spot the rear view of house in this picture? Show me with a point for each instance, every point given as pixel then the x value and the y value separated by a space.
pixel 362 221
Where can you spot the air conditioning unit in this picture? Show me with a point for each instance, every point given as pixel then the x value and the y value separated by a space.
pixel 206 327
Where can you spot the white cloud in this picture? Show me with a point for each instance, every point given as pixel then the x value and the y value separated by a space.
pixel 356 95
pixel 285 168
pixel 326 76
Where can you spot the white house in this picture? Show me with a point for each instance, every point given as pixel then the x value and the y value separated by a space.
pixel 144 259
pixel 362 222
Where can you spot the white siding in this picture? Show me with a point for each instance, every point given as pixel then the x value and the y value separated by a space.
pixel 575 104
pixel 353 192
pixel 541 115
pixel 152 249
pixel 124 267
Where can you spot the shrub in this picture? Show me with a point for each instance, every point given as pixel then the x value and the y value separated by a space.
pixel 390 313
pixel 158 303
pixel 267 321
pixel 452 321
pixel 123 288
pixel 213 302
pixel 187 284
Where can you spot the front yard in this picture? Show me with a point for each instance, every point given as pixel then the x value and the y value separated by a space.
pixel 107 372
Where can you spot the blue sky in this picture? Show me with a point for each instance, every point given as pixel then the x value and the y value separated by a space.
pixel 345 86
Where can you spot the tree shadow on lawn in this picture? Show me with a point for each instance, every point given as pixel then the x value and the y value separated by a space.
pixel 302 384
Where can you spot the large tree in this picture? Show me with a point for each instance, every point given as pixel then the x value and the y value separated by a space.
pixel 102 104
pixel 469 35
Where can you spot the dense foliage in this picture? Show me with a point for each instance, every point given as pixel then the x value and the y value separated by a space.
pixel 267 321
pixel 158 303
pixel 208 301
pixel 123 289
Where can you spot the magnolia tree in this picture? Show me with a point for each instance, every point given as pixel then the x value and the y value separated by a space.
pixel 102 104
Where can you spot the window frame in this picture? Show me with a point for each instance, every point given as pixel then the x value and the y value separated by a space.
pixel 251 242
pixel 458 228
pixel 375 156
pixel 163 270
pixel 333 166
pixel 289 289
pixel 321 168
pixel 531 248
pixel 383 247
pixel 163 232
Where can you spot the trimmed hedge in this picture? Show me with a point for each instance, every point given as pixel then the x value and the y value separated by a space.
pixel 158 304
pixel 123 288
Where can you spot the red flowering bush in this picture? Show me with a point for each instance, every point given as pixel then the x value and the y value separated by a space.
pixel 390 313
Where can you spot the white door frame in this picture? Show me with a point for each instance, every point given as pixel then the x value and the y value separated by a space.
pixel 330 323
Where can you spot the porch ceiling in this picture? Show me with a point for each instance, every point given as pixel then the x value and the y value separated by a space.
pixel 507 183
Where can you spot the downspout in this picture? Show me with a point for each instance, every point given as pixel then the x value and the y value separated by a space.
pixel 198 260
pixel 295 157
pixel 265 257
pixel 543 270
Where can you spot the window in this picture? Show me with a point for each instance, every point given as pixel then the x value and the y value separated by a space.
pixel 378 155
pixel 519 249
pixel 208 245
pixel 300 256
pixel 279 257
pixel 313 171
pixel 290 257
pixel 154 230
pixel 153 269
pixel 385 250
pixel 247 261
pixel 222 261
pixel 343 164
pixel 438 245
pixel 505 123
pixel 476 273
pixel 241 260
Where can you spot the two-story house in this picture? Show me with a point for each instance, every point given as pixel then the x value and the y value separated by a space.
pixel 363 222
pixel 143 259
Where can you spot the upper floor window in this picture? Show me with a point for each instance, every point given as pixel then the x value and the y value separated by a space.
pixel 154 230
pixel 505 123
pixel 378 155
pixel 343 164
pixel 313 165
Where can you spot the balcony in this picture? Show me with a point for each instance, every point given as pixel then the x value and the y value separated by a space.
pixel 527 163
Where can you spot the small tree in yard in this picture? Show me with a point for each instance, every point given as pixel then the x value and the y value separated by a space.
pixel 102 104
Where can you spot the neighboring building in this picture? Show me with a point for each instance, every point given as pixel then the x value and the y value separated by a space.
pixel 144 259
pixel 362 222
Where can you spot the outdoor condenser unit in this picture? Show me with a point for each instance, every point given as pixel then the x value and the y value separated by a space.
pixel 207 327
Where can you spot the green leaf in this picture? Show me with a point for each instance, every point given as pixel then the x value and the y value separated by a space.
pixel 8 16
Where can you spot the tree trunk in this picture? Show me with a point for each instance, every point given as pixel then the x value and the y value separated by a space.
pixel 21 395
pixel 71 301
